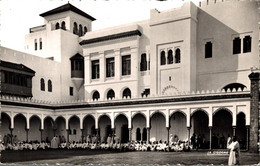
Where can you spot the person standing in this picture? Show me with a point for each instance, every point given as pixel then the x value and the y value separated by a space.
pixel 234 155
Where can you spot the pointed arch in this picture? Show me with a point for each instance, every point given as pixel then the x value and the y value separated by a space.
pixel 163 59
pixel 170 57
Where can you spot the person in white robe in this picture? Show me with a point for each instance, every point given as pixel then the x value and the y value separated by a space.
pixel 234 155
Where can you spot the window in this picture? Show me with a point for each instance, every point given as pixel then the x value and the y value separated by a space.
pixel 40 43
pixel 85 30
pixel 95 69
pixel 126 65
pixel 170 57
pixel 110 67
pixel 247 44
pixel 75 28
pixel 71 91
pixel 177 55
pixel 80 30
pixel 208 50
pixel 237 45
pixel 42 85
pixel 35 44
pixel 96 95
pixel 163 60
pixel 63 25
pixel 110 94
pixel 49 86
pixel 127 93
pixel 143 64
pixel 57 26
pixel 77 65
pixel 145 93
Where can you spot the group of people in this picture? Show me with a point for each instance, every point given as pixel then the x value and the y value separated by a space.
pixel 198 141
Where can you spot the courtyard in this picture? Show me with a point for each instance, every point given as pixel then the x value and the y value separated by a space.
pixel 83 157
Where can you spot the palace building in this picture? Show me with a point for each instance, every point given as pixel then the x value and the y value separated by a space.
pixel 193 69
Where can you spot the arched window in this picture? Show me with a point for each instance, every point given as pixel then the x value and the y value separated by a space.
pixel 177 55
pixel 57 26
pixel 42 84
pixel 49 86
pixel 170 57
pixel 163 59
pixel 75 28
pixel 40 43
pixel 127 93
pixel 143 64
pixel 35 44
pixel 63 25
pixel 96 95
pixel 234 87
pixel 110 94
pixel 85 30
pixel 80 30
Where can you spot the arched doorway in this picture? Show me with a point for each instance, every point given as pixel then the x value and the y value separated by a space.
pixel 178 125
pixel 34 132
pixel 5 125
pixel 19 127
pixel 158 128
pixel 60 126
pixel 241 131
pixel 138 123
pixel 48 132
pixel 89 126
pixel 221 129
pixel 121 128
pixel 74 127
pixel 104 125
pixel 200 127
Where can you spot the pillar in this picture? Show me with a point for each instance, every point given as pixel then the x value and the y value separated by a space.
pixel 148 134
pixel 27 132
pixel 68 134
pixel 210 137
pixel 11 132
pixel 130 134
pixel 188 135
pixel 41 130
pixel 247 137
pixel 168 133
pixel 254 112
pixel 234 130
pixel 97 136
pixel 82 136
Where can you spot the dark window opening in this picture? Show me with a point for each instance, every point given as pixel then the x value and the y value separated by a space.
pixel 35 44
pixel 74 131
pixel 127 93
pixel 208 50
pixel 247 44
pixel 85 30
pixel 146 92
pixel 80 30
pixel 143 64
pixel 75 28
pixel 95 69
pixel 110 67
pixel 237 45
pixel 57 26
pixel 63 25
pixel 177 55
pixel 40 43
pixel 126 65
pixel 15 79
pixel 110 94
pixel 170 57
pixel 163 59
pixel 42 85
pixel 96 95
pixel 71 91
pixel 49 86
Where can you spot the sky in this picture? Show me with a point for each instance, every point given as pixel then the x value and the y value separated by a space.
pixel 17 16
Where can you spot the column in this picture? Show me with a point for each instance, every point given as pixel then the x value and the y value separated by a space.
pixel 168 133
pixel 11 132
pixel 118 65
pixel 188 135
pixel 27 132
pixel 41 130
pixel 148 134
pixel 68 136
pixel 247 137
pixel 102 66
pixel 210 137
pixel 141 134
pixel 130 134
pixel 82 135
pixel 234 130
pixel 97 135
pixel 87 69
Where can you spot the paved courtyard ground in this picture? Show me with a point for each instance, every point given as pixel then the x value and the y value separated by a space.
pixel 82 157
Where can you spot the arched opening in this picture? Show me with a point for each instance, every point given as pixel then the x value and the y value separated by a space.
pixel 177 55
pixel 63 25
pixel 127 93
pixel 57 26
pixel 163 59
pixel 104 125
pixel 60 127
pixel 5 126
pixel 80 30
pixel 234 87
pixel 138 122
pixel 85 30
pixel 110 94
pixel 48 132
pixel 49 86
pixel 96 95
pixel 241 131
pixel 40 43
pixel 170 57
pixel 121 128
pixel 74 127
pixel 200 128
pixel 221 129
pixel 88 127
pixel 35 44
pixel 75 28
pixel 178 125
pixel 34 133
pixel 42 84
pixel 143 64
pixel 158 128
pixel 19 127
